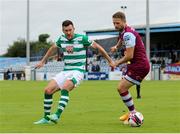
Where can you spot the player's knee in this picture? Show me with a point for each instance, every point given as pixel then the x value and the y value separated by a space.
pixel 121 89
pixel 48 91
pixel 68 85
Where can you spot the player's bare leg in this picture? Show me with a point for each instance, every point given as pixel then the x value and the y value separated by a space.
pixel 123 88
pixel 68 86
pixel 49 90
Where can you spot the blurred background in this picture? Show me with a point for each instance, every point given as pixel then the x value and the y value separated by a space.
pixel 28 27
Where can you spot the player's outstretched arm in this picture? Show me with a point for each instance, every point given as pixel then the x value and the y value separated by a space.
pixel 44 59
pixel 104 53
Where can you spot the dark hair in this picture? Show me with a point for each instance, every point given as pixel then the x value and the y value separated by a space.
pixel 120 15
pixel 67 23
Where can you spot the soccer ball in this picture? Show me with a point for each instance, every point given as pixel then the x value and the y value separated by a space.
pixel 135 119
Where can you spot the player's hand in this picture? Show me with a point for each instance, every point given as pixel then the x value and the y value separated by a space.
pixel 112 64
pixel 39 65
pixel 113 49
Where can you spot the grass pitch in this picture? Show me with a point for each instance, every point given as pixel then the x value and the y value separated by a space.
pixel 94 107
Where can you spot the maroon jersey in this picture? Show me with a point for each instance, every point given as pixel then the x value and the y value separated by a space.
pixel 139 64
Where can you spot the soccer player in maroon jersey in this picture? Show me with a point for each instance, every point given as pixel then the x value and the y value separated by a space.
pixel 135 53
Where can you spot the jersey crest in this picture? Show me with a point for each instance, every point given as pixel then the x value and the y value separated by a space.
pixel 69 49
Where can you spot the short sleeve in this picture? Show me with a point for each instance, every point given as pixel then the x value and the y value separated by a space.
pixel 86 41
pixel 129 39
pixel 58 42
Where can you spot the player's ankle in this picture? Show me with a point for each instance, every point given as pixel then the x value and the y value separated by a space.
pixel 58 114
pixel 133 111
pixel 45 117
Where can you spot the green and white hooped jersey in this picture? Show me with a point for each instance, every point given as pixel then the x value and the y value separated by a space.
pixel 74 51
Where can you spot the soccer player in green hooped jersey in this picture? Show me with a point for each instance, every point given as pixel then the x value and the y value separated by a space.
pixel 73 46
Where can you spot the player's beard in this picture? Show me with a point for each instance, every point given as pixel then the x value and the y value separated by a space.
pixel 119 29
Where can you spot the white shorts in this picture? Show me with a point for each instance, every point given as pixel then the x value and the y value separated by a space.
pixel 75 76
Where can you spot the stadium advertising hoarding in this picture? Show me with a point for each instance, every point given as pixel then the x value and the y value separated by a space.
pixel 97 76
pixel 115 75
pixel 173 69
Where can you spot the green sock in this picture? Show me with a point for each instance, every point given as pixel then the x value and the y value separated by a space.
pixel 47 104
pixel 63 101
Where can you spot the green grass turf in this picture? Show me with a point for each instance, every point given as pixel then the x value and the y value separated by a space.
pixel 94 107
